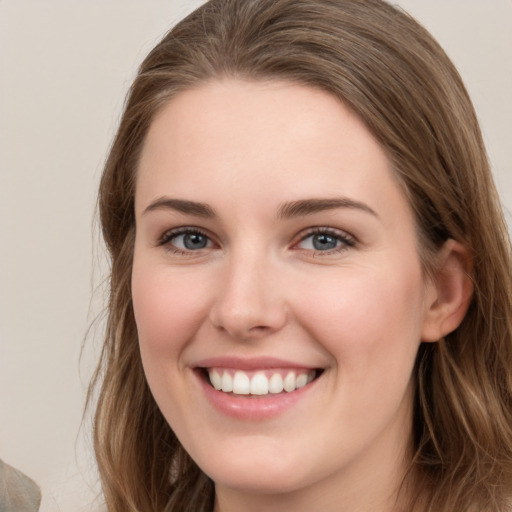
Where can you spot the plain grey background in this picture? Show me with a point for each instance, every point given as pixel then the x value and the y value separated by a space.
pixel 65 66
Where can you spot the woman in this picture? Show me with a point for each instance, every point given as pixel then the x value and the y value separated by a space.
pixel 310 301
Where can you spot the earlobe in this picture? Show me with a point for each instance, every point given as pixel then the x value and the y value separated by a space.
pixel 449 292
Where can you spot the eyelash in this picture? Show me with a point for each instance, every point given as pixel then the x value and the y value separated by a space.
pixel 346 241
pixel 168 236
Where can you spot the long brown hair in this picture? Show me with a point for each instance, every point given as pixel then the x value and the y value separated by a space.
pixel 390 71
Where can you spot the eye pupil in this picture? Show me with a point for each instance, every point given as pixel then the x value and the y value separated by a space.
pixel 193 241
pixel 323 242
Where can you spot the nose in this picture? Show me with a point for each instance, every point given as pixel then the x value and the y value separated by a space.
pixel 249 302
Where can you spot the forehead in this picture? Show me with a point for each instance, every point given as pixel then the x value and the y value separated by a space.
pixel 238 139
pixel 254 113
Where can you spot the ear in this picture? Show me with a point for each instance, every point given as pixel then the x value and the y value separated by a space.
pixel 448 293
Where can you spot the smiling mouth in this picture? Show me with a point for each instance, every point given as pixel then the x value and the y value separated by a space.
pixel 259 383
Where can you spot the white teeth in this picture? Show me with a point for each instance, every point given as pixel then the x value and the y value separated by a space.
pixel 227 382
pixel 275 384
pixel 301 380
pixel 216 380
pixel 289 382
pixel 242 384
pixel 259 384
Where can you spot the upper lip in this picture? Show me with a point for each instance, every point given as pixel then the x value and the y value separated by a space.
pixel 250 364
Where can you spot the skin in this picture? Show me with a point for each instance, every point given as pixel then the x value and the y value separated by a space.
pixel 260 287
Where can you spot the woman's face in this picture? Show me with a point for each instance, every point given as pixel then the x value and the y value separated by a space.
pixel 274 248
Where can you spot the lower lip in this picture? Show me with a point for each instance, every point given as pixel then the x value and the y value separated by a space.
pixel 250 407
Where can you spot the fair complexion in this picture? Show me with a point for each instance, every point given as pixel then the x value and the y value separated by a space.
pixel 273 239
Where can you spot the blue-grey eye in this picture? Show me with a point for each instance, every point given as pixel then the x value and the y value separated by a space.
pixel 188 240
pixel 193 241
pixel 324 242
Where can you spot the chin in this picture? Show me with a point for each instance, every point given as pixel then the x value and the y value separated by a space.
pixel 252 483
pixel 254 476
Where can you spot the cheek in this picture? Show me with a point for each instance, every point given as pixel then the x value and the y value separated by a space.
pixel 368 318
pixel 168 306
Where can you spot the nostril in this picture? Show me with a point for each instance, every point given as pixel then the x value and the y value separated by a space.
pixel 243 328
pixel 259 328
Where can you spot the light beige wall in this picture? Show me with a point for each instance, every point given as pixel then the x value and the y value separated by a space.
pixel 64 69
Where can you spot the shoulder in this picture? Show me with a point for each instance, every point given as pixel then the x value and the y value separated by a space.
pixel 17 491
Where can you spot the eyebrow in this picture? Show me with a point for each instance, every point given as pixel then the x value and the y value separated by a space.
pixel 304 207
pixel 292 209
pixel 182 206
